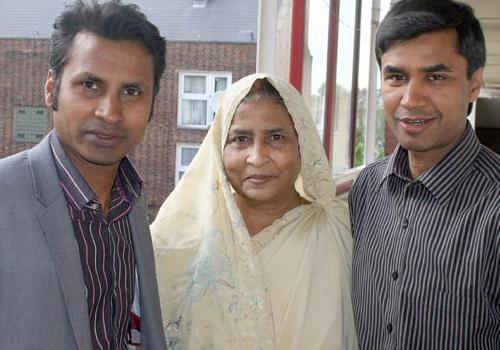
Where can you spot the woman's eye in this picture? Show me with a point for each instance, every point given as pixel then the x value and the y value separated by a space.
pixel 277 137
pixel 240 139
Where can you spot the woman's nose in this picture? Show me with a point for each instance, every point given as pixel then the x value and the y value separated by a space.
pixel 258 154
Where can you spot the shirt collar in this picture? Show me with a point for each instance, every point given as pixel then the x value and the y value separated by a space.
pixel 77 190
pixel 443 177
pixel 398 165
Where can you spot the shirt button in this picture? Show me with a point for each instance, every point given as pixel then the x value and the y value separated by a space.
pixel 94 206
pixel 405 223
pixel 389 328
pixel 395 275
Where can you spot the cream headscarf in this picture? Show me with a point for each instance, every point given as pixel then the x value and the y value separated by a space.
pixel 222 289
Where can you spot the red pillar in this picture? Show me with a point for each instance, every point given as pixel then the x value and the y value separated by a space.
pixel 297 43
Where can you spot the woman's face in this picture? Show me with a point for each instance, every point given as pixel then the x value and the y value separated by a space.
pixel 261 156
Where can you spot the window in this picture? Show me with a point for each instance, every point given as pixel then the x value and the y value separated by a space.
pixel 198 96
pixel 345 65
pixel 370 116
pixel 349 96
pixel 314 60
pixel 184 154
pixel 30 124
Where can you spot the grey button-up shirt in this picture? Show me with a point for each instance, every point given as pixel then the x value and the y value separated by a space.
pixel 426 260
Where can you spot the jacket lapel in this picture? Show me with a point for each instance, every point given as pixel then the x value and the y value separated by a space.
pixel 58 230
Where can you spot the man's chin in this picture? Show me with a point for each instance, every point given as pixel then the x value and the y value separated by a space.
pixel 416 147
pixel 104 162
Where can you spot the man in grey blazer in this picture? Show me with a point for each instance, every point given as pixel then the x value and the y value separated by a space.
pixel 76 260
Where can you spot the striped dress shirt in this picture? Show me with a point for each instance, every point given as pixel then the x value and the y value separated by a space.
pixel 105 247
pixel 426 260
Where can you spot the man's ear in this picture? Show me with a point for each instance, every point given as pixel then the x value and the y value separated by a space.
pixel 50 86
pixel 476 81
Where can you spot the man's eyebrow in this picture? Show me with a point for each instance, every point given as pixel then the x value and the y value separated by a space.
pixel 440 67
pixel 89 76
pixel 138 83
pixel 388 69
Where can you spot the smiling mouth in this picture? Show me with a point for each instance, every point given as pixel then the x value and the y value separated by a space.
pixel 414 126
pixel 415 122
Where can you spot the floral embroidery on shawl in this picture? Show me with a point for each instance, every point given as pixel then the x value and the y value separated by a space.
pixel 210 268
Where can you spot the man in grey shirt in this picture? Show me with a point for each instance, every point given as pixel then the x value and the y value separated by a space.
pixel 425 220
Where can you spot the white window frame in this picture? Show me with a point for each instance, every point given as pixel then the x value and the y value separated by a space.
pixel 178 156
pixel 208 96
pixel 36 130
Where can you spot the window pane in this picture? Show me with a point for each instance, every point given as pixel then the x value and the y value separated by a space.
pixel 194 112
pixel 180 174
pixel 342 116
pixel 220 84
pixel 30 124
pixel 370 128
pixel 364 77
pixel 315 58
pixel 195 84
pixel 187 155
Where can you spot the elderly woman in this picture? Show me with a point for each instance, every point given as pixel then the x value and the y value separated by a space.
pixel 253 250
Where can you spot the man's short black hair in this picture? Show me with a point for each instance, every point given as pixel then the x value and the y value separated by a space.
pixel 408 19
pixel 111 20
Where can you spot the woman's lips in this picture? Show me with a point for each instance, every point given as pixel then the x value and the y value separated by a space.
pixel 258 179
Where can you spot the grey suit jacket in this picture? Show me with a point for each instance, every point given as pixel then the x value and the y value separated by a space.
pixel 42 292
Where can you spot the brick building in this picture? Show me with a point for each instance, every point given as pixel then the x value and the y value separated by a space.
pixel 210 44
